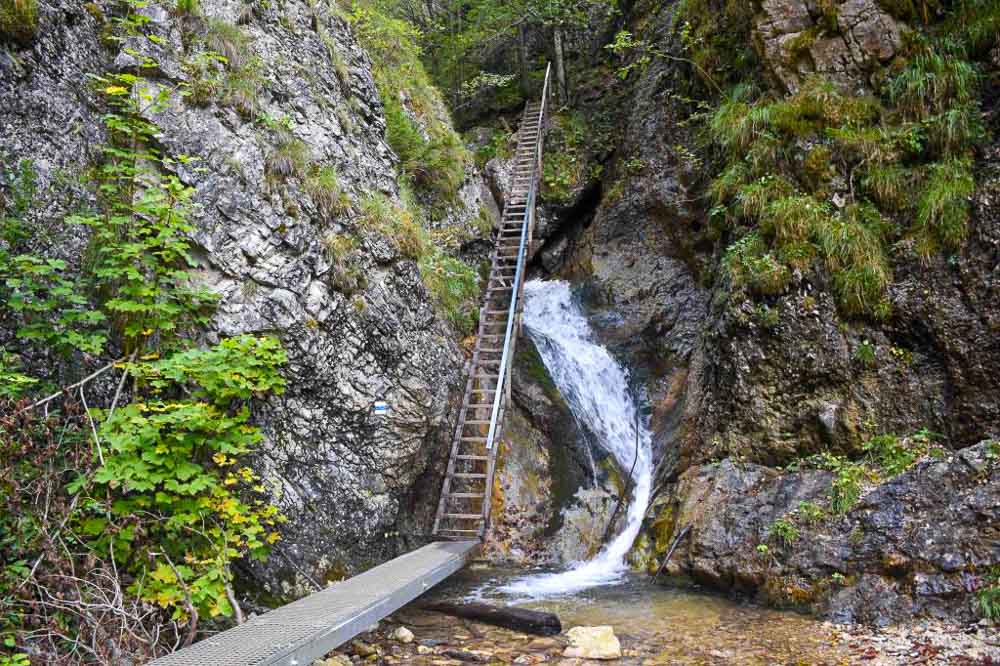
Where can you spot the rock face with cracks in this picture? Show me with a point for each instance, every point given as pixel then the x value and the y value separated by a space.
pixel 909 546
pixel 340 474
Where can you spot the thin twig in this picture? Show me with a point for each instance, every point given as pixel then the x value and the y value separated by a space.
pixel 67 389
pixel 121 385
pixel 235 604
pixel 93 426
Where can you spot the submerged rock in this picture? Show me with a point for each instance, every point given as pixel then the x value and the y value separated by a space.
pixel 593 643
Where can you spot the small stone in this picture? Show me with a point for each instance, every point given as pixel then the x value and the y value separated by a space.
pixel 423 649
pixel 402 634
pixel 362 649
pixel 593 643
pixel 542 644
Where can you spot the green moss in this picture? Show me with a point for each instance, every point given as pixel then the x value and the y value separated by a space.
pixel 716 37
pixel 663 530
pixel 18 21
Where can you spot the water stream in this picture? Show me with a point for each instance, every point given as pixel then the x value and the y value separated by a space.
pixel 596 388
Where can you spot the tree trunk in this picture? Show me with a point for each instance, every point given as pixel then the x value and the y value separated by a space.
pixel 557 38
pixel 518 619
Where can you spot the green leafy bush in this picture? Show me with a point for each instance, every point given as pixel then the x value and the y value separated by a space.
pixel 894 455
pixel 811 512
pixel 161 504
pixel 172 457
pixel 988 596
pixel 749 265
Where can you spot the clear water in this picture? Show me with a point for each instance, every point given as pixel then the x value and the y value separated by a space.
pixel 662 625
pixel 596 388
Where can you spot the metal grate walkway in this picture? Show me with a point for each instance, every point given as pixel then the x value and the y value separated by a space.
pixel 464 507
pixel 307 629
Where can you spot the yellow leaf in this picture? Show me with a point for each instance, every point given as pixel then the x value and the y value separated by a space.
pixel 115 90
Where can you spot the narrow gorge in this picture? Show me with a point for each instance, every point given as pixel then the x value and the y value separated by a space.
pixel 754 410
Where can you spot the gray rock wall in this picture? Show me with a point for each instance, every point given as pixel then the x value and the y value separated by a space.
pixel 341 475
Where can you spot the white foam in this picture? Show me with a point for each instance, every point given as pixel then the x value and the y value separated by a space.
pixel 596 389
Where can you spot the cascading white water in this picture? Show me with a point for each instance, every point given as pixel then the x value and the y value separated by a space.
pixel 596 388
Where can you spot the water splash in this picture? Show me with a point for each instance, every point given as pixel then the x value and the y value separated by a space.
pixel 596 388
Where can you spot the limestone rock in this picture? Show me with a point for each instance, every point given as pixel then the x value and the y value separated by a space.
pixel 905 548
pixel 402 634
pixel 797 40
pixel 342 476
pixel 593 643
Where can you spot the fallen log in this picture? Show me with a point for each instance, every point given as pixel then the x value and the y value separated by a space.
pixel 518 619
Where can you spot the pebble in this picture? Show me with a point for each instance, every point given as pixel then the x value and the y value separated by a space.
pixel 402 634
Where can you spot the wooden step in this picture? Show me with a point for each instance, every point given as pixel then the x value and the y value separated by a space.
pixel 468 475
pixel 467 495
pixel 451 531
pixel 464 516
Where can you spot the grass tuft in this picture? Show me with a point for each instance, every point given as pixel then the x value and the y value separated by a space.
pixel 324 189
pixel 943 208
pixel 289 158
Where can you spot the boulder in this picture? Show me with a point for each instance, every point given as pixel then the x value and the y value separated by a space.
pixel 917 543
pixel 593 643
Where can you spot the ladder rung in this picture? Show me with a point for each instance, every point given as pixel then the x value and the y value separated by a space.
pixel 467 495
pixel 472 439
pixel 476 422
pixel 470 457
pixel 442 529
pixel 468 475
pixel 464 516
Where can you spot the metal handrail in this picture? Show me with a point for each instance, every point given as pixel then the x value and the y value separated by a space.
pixel 529 214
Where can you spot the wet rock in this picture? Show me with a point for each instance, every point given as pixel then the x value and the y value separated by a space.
pixel 362 649
pixel 905 548
pixel 402 634
pixel 333 660
pixel 593 643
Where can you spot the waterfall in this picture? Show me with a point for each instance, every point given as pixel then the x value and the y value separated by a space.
pixel 596 389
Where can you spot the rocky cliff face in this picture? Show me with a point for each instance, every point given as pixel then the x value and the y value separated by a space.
pixel 270 244
pixel 759 385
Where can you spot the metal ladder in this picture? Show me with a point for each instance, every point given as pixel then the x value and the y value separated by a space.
pixel 464 507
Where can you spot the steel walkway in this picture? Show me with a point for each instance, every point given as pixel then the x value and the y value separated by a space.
pixel 464 507
pixel 306 630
